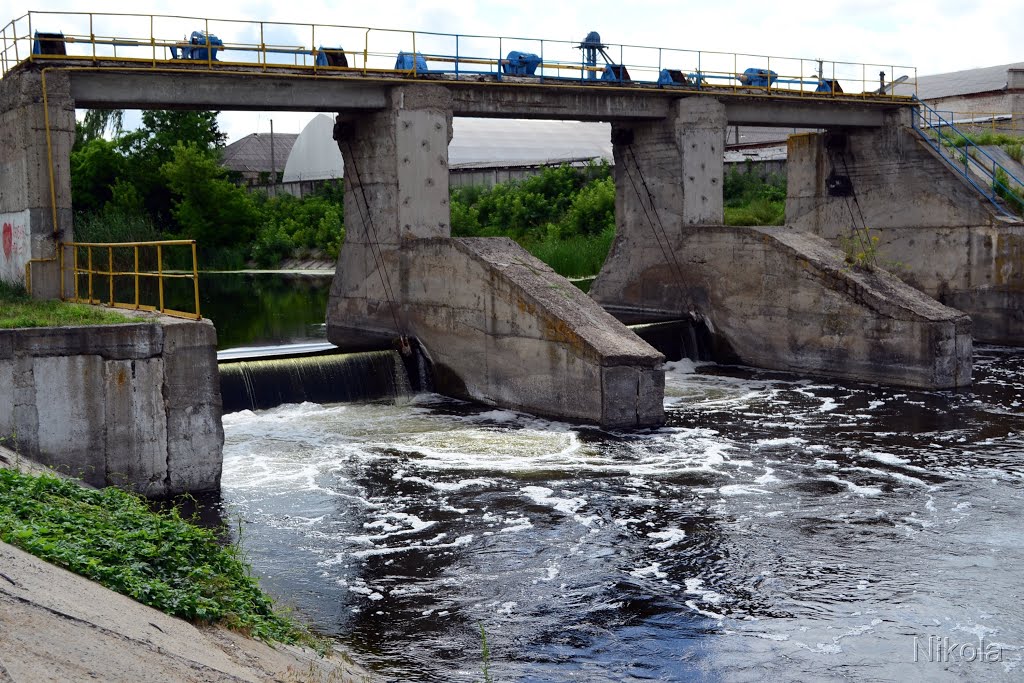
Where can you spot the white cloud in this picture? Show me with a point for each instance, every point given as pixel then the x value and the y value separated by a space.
pixel 942 35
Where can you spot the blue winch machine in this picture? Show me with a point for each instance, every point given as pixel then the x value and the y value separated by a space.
pixel 200 45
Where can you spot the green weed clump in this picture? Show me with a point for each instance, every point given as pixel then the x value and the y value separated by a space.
pixel 750 199
pixel 157 558
pixel 17 310
pixel 1011 193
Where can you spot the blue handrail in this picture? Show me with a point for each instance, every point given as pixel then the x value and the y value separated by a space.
pixel 927 120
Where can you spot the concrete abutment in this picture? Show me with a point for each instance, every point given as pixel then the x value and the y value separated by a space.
pixel 135 405
pixel 28 203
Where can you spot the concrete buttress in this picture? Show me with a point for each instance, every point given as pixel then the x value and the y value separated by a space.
pixel 499 326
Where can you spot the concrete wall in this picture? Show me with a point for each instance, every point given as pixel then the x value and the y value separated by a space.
pixel 936 232
pixel 26 203
pixel 135 405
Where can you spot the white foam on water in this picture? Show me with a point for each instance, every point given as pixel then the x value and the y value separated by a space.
pixel 887 458
pixel 544 496
pixel 670 537
pixel 650 572
pixel 458 542
pixel 406 524
pixel 827 405
pixel 499 416
pixel 696 587
pixel 516 524
pixel 768 477
pixel 782 441
pixel 854 488
pixel 684 366
pixel 447 486
pixel 692 604
pixel 741 490
pixel 898 476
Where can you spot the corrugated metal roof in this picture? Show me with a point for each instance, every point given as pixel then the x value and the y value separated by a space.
pixel 251 154
pixel 966 82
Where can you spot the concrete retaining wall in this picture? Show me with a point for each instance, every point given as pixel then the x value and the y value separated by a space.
pixel 776 298
pixel 936 232
pixel 136 405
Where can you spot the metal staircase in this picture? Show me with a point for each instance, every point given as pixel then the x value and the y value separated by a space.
pixel 993 180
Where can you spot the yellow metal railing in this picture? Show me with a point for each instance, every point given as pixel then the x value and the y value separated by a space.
pixel 96 268
pixel 120 40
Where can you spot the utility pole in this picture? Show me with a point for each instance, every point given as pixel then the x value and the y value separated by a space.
pixel 273 161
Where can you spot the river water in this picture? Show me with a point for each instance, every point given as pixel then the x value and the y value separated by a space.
pixel 777 528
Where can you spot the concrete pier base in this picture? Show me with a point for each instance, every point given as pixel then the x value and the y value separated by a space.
pixel 772 297
pixel 500 327
pixel 935 231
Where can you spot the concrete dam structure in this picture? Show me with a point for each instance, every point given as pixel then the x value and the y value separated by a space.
pixel 499 326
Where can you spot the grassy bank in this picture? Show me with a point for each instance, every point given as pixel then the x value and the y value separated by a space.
pixel 17 309
pixel 156 558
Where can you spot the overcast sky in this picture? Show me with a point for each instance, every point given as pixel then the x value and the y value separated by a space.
pixel 935 36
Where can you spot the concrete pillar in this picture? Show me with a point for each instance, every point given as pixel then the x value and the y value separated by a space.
pixel 26 201
pixel 499 326
pixel 936 232
pixel 396 190
pixel 668 174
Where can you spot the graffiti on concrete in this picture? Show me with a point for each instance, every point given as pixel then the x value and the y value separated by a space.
pixel 14 245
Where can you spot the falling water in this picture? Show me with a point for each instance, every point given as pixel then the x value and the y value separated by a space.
pixel 261 384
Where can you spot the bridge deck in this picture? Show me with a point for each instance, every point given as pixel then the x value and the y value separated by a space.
pixel 131 84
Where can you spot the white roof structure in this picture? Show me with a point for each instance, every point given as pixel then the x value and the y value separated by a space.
pixel 475 143
pixel 315 154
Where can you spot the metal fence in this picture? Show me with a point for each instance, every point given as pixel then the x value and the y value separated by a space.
pixel 121 40
pixel 132 275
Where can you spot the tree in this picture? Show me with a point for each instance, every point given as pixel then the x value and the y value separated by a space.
pixel 152 145
pixel 206 206
pixel 96 124
pixel 95 167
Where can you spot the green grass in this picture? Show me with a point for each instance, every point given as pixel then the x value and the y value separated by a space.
pixel 576 256
pixel 1012 144
pixel 157 558
pixel 757 212
pixel 17 309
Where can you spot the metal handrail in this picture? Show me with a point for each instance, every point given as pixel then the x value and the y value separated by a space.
pixel 93 269
pixel 928 122
pixel 104 36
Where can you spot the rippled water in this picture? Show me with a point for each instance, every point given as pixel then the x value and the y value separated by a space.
pixel 776 529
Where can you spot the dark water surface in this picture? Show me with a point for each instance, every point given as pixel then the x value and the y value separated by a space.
pixel 778 528
pixel 262 308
